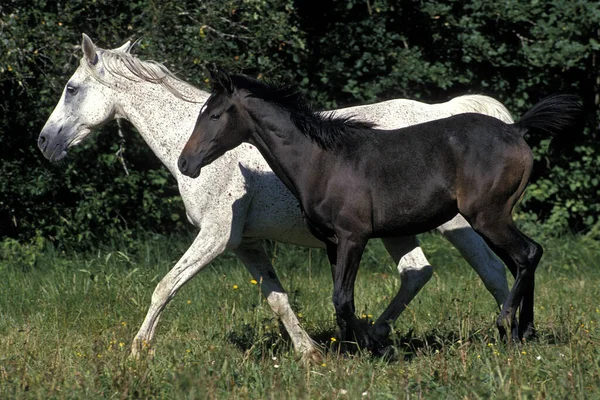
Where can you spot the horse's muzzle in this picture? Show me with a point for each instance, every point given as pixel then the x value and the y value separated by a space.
pixel 52 149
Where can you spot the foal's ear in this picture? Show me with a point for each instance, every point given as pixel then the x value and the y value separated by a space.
pixel 221 80
pixel 89 50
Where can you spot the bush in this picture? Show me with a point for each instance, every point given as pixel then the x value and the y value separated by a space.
pixel 340 53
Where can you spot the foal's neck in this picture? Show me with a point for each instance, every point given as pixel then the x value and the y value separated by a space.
pixel 289 153
pixel 164 120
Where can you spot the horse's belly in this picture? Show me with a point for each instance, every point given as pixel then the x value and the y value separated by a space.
pixel 274 214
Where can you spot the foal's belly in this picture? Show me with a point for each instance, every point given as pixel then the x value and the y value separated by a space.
pixel 408 214
pixel 412 223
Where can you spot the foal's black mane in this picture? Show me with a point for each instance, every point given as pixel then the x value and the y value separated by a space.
pixel 325 129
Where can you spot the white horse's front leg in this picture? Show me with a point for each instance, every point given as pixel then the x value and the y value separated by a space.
pixel 415 272
pixel 253 256
pixel 206 246
pixel 477 253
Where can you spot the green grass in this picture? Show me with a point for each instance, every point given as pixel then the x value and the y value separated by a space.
pixel 67 321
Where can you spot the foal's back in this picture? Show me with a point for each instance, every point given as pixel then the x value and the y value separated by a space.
pixel 409 179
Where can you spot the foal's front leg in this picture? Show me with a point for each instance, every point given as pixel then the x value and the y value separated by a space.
pixel 349 253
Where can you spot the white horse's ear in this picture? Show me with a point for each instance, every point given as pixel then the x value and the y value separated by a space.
pixel 89 50
pixel 125 48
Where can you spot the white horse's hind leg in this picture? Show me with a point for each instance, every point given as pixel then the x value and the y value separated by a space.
pixel 206 246
pixel 415 272
pixel 477 253
pixel 252 254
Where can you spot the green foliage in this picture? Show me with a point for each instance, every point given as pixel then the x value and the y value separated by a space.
pixel 15 255
pixel 340 53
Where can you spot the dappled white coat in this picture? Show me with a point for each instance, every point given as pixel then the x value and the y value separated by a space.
pixel 237 201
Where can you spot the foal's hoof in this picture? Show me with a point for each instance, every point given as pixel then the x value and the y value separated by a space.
pixel 387 353
pixel 515 334
pixel 379 332
pixel 502 332
pixel 529 333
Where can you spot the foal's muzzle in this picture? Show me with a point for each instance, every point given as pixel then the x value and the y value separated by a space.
pixel 190 166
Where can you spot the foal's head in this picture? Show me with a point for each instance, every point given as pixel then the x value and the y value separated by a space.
pixel 223 124
pixel 238 106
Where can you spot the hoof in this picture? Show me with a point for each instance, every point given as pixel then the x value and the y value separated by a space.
pixel 387 353
pixel 515 334
pixel 141 348
pixel 312 356
pixel 379 333
pixel 529 333
pixel 500 324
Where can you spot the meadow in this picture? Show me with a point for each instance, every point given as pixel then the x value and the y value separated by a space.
pixel 67 321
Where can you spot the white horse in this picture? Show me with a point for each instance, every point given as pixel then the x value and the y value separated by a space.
pixel 238 201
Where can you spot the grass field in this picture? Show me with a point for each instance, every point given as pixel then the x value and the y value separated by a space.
pixel 67 321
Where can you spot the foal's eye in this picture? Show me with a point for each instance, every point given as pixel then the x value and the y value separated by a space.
pixel 215 117
pixel 72 90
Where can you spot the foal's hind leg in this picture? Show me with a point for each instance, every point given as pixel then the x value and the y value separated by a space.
pixel 252 254
pixel 521 253
pixel 415 272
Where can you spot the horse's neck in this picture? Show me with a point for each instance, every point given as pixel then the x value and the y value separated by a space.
pixel 288 152
pixel 164 121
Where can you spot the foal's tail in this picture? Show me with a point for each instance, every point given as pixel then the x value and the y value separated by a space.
pixel 560 116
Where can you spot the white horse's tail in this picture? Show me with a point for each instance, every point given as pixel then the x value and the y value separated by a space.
pixel 480 104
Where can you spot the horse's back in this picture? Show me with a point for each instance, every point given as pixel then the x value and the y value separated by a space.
pixel 394 114
pixel 400 113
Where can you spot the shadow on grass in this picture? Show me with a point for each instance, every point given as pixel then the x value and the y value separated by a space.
pixel 248 338
pixel 399 346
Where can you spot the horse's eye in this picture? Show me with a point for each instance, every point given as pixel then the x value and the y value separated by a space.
pixel 215 117
pixel 72 90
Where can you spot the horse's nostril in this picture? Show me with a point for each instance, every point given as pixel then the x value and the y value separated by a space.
pixel 182 164
pixel 42 143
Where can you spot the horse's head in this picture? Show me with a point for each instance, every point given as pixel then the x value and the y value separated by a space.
pixel 86 103
pixel 223 124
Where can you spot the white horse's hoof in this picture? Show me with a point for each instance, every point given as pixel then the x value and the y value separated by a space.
pixel 141 348
pixel 312 356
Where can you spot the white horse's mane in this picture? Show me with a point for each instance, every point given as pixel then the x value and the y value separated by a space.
pixel 480 104
pixel 123 63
